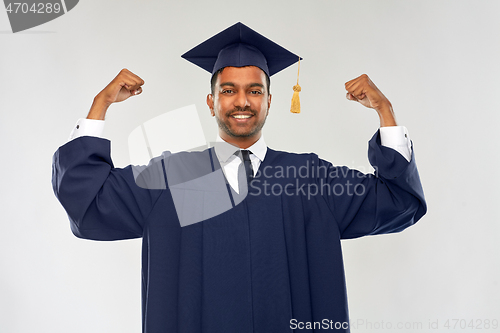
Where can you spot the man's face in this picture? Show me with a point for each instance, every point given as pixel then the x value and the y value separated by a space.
pixel 240 104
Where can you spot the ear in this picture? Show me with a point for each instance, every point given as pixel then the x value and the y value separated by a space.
pixel 210 103
pixel 268 103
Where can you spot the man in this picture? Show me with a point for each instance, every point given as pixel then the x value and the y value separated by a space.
pixel 272 261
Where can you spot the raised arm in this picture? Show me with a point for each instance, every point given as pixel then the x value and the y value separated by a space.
pixel 102 202
pixel 389 200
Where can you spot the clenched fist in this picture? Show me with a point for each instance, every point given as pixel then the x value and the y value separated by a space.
pixel 364 91
pixel 124 85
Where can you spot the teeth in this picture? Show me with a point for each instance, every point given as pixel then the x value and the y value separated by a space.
pixel 241 116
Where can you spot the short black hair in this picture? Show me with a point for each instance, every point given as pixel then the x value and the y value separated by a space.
pixel 216 74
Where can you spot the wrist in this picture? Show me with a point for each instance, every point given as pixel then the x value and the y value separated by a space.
pixel 98 109
pixel 386 115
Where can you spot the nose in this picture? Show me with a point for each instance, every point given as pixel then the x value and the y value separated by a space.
pixel 241 99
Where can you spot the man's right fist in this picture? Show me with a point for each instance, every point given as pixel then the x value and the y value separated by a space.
pixel 124 85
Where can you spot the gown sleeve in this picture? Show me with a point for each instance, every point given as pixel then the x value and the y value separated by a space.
pixel 390 200
pixel 102 202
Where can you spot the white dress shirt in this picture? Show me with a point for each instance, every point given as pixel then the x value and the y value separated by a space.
pixel 230 162
pixel 395 137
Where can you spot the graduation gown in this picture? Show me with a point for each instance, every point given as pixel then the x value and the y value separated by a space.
pixel 269 263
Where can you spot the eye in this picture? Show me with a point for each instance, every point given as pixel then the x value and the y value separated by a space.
pixel 256 92
pixel 227 91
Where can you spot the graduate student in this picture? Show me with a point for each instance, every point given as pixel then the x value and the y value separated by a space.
pixel 258 247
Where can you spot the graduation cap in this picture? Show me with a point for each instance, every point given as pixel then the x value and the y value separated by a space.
pixel 239 46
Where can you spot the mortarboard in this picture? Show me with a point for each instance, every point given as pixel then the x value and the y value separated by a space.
pixel 239 46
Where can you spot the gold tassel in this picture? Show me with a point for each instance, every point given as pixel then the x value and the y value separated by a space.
pixel 295 98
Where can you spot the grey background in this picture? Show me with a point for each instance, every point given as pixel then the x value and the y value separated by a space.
pixel 437 61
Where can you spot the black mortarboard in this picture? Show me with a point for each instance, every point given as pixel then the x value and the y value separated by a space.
pixel 239 46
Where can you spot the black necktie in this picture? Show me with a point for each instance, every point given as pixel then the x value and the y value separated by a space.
pixel 247 164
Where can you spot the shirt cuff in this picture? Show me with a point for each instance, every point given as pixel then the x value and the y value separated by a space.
pixel 397 138
pixel 87 127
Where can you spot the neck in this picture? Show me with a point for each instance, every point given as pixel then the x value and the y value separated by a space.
pixel 241 142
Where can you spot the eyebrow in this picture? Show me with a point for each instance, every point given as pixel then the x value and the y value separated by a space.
pixel 251 85
pixel 256 85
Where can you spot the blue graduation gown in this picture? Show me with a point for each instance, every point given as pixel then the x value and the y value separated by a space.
pixel 272 261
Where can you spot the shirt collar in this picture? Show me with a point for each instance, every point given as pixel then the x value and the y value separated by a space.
pixel 225 150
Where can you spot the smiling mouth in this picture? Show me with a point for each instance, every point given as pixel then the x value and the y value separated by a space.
pixel 241 116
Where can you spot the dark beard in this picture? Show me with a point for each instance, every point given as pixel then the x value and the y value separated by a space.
pixel 227 130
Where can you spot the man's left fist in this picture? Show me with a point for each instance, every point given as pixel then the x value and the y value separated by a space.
pixel 364 91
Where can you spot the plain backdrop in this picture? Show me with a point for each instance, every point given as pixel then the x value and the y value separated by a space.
pixel 437 62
